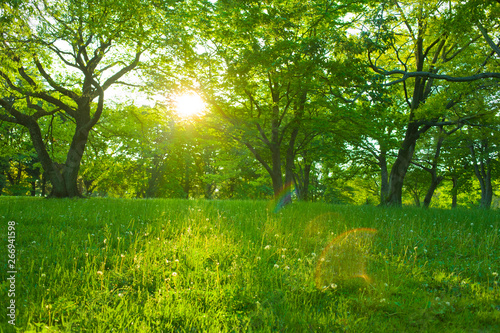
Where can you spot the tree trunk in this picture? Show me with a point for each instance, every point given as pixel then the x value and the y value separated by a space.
pixel 33 188
pixel 289 165
pixel 400 167
pixel 416 199
pixel 454 194
pixel 72 164
pixel 430 192
pixel 483 172
pixel 276 175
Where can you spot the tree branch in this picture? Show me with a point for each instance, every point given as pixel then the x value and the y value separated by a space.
pixel 407 75
pixel 488 39
pixel 52 83
pixel 122 72
pixel 8 107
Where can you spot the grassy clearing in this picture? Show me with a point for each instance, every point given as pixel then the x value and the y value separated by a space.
pixel 102 265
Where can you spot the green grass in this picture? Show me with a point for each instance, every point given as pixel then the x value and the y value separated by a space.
pixel 102 265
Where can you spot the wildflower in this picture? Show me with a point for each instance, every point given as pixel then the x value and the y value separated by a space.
pixel 276 266
pixel 174 274
pixel 283 256
pixel 258 258
pixel 122 255
pixel 382 300
pixel 267 247
pixel 313 254
pixel 495 274
pixel 287 267
pixel 333 286
pixel 447 303
pixel 100 273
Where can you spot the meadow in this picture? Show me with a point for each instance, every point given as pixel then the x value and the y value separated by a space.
pixel 116 265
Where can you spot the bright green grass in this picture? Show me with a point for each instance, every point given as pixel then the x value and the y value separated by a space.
pixel 102 265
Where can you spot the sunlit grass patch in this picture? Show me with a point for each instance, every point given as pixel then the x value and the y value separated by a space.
pixel 177 265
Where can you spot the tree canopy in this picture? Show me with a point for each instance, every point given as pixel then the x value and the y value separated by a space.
pixel 381 102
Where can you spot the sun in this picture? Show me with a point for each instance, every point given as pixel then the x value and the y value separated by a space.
pixel 189 104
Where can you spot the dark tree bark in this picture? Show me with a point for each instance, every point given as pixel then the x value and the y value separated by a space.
pixel 454 194
pixel 432 188
pixel 482 169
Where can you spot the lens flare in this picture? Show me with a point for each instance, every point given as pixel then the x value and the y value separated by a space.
pixel 284 198
pixel 344 258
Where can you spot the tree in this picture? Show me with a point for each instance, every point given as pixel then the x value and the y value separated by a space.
pixel 431 48
pixel 59 58
pixel 264 74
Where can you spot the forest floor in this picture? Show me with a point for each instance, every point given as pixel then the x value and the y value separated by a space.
pixel 115 265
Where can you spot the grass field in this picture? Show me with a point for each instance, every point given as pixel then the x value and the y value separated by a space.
pixel 104 265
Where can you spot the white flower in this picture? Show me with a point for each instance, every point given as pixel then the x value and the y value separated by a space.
pixel 174 274
pixel 287 267
pixel 100 273
pixel 267 247
pixel 276 266
pixel 313 254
